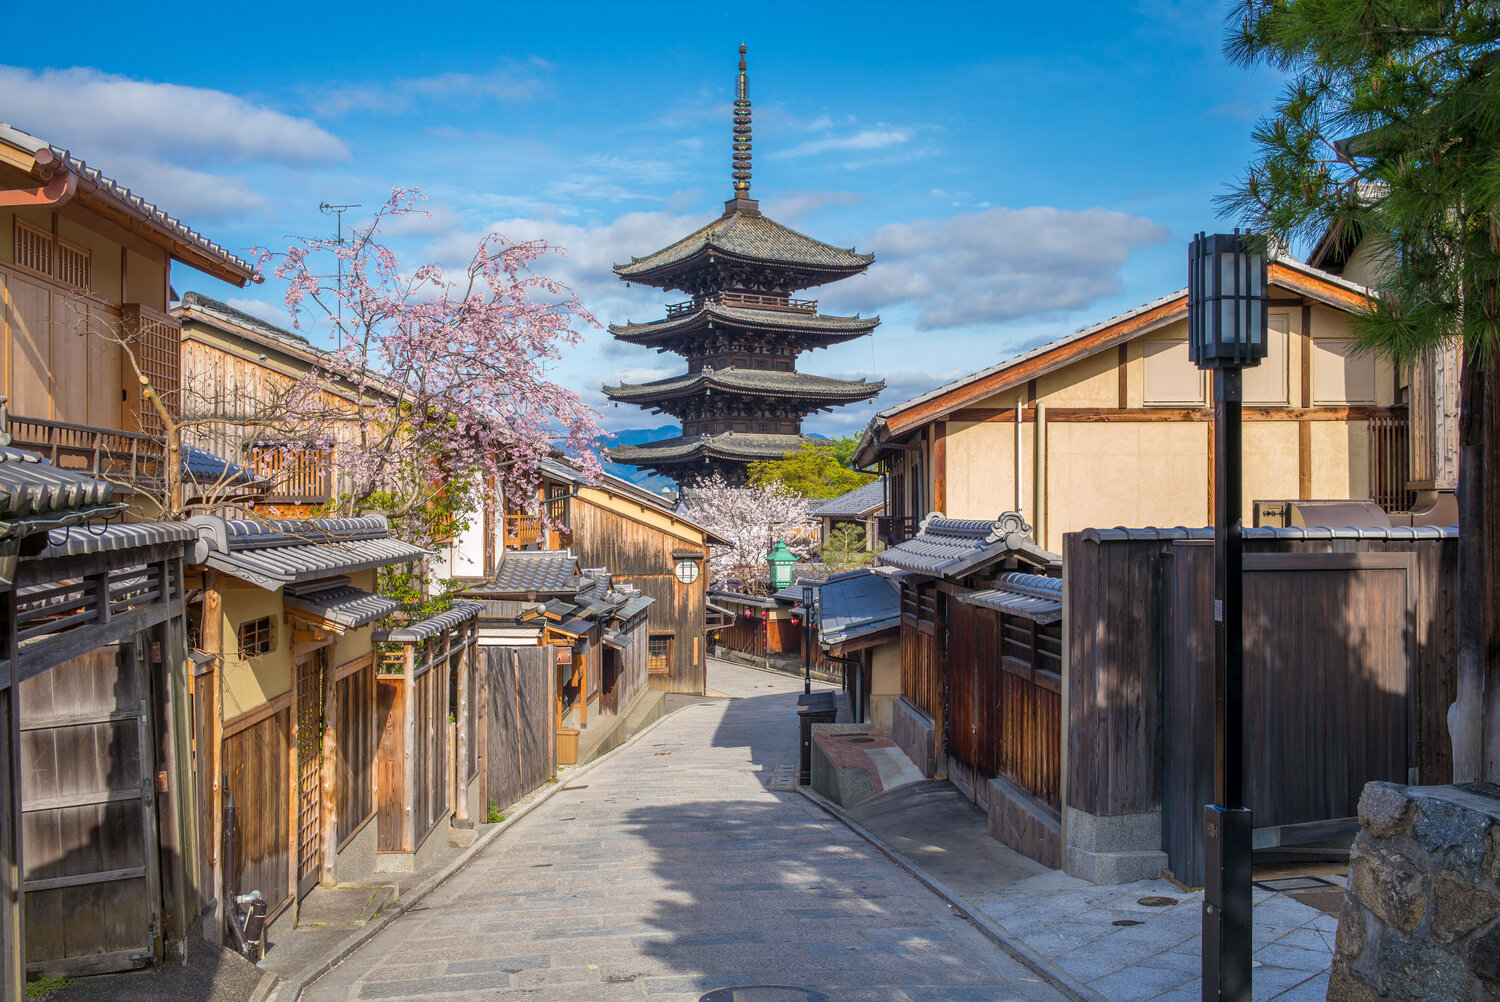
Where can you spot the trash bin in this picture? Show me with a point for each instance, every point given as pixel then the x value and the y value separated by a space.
pixel 813 710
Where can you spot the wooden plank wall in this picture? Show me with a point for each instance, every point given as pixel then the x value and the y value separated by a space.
pixel 1004 717
pixel 745 635
pixel 922 676
pixel 88 838
pixel 12 964
pixel 358 738
pixel 1116 651
pixel 520 724
pixel 641 555
pixel 255 759
pixel 429 801
pixel 390 758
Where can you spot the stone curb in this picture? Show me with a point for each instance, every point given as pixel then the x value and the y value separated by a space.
pixel 1028 957
pixel 290 989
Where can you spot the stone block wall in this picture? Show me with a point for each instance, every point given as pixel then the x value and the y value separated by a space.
pixel 916 735
pixel 1421 918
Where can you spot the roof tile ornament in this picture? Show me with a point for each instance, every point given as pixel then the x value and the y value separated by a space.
pixel 742 131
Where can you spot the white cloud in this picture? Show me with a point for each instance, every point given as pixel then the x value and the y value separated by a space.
pixel 791 207
pixel 105 115
pixel 999 265
pixel 517 82
pixel 878 137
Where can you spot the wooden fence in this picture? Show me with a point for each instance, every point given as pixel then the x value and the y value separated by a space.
pixel 357 739
pixel 1004 711
pixel 1350 662
pixel 520 705
pixel 256 750
pixel 922 676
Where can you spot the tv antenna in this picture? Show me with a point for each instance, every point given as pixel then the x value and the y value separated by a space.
pixel 338 212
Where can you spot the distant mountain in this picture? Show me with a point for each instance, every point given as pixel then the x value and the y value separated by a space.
pixel 644 479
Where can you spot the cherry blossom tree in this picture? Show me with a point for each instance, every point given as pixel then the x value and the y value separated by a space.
pixel 449 370
pixel 752 519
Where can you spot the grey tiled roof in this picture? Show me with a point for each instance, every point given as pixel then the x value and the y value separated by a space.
pixel 339 602
pixel 203 467
pixel 749 381
pixel 551 572
pixel 32 489
pixel 1031 596
pixel 461 612
pixel 223 311
pixel 858 503
pixel 952 547
pixel 819 325
pixel 87 540
pixel 857 604
pixel 288 551
pixel 1273 532
pixel 131 203
pixel 749 236
pixel 726 445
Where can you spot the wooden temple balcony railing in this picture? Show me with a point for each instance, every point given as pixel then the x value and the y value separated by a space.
pixel 107 453
pixel 296 476
pixel 755 300
pixel 895 529
pixel 523 530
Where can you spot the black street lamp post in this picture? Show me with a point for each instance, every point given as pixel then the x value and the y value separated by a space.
pixel 807 614
pixel 1226 332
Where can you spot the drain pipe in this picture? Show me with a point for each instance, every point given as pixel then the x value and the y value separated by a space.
pixel 1020 446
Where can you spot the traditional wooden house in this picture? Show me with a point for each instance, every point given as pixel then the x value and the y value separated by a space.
pixel 592 630
pixel 742 398
pixel 860 508
pixel 981 671
pixel 286 697
pixel 1112 425
pixel 86 272
pixel 97 821
pixel 640 537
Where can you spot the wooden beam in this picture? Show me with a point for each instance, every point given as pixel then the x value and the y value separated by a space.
pixel 1140 415
pixel 1304 459
pixel 1211 471
pixel 328 809
pixel 940 467
pixel 409 762
pixel 211 636
pixel 1306 356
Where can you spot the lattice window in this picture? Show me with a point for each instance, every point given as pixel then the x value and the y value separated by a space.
pixel 659 653
pixel 257 637
pixel 74 265
pixel 33 248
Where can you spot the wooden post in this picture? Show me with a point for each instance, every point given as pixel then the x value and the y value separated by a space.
pixel 328 822
pixel 940 467
pixel 408 762
pixel 292 855
pixel 211 636
pixel 463 737
pixel 12 932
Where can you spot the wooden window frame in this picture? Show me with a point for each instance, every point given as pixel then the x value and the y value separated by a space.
pixel 260 626
pixel 84 254
pixel 659 664
pixel 44 238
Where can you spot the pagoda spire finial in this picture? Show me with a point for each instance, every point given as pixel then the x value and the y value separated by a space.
pixel 742 131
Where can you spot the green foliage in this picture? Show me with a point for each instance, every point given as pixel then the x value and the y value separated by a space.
pixel 1389 130
pixel 43 988
pixel 815 470
pixel 493 816
pixel 845 549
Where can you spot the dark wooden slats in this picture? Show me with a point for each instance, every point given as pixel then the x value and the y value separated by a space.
pixel 355 765
pixel 255 760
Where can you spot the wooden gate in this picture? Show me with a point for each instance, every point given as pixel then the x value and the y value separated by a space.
pixel 1329 647
pixel 309 724
pixel 89 862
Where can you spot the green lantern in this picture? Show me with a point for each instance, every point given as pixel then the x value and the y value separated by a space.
pixel 780 561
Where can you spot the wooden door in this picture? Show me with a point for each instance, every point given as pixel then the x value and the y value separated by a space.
pixel 89 862
pixel 309 771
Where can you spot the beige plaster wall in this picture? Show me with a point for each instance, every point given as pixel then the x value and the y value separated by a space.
pixel 1270 464
pixel 249 683
pixel 982 467
pixel 1089 382
pixel 885 683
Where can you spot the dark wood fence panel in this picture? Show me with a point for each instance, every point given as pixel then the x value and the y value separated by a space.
pixel 1116 642
pixel 255 760
pixel 520 721
pixel 1329 640
pixel 88 842
pixel 357 741
pixel 12 964
pixel 745 635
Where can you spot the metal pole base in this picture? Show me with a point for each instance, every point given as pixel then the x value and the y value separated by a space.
pixel 1227 943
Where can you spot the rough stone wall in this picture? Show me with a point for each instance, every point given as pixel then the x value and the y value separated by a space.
pixel 1421 919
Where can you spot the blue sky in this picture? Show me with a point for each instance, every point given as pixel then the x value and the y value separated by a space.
pixel 1019 170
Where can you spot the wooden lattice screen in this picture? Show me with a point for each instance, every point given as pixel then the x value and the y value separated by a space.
pixel 156 341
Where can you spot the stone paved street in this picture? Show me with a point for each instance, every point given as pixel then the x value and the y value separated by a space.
pixel 673 869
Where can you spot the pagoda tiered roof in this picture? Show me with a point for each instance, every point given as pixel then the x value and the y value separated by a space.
pixel 818 329
pixel 752 382
pixel 742 235
pixel 732 445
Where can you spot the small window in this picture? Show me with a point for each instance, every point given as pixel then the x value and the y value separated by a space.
pixel 257 637
pixel 659 653
pixel 33 248
pixel 74 266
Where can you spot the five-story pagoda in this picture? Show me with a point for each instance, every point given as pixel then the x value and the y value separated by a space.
pixel 742 399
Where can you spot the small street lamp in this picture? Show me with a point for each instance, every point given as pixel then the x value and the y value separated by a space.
pixel 780 561
pixel 807 617
pixel 1226 332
